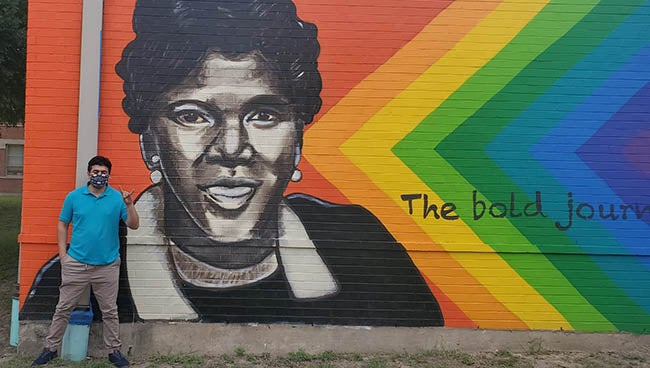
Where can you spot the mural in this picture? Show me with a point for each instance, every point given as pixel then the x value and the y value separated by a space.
pixel 467 164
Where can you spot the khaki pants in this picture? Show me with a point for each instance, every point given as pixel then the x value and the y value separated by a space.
pixel 75 278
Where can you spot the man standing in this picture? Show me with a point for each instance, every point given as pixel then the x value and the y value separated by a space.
pixel 92 259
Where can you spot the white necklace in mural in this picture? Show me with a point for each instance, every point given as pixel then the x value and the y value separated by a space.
pixel 201 274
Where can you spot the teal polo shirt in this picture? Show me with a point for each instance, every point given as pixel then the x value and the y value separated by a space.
pixel 95 224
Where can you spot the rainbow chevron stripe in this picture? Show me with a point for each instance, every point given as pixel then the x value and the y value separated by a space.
pixel 500 101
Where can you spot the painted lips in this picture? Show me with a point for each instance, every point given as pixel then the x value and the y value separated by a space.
pixel 231 193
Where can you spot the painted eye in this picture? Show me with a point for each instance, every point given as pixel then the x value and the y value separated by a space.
pixel 191 115
pixel 263 118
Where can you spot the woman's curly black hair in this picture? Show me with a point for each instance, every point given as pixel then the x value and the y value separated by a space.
pixel 173 38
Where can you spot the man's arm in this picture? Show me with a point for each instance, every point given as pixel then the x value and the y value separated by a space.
pixel 132 218
pixel 62 238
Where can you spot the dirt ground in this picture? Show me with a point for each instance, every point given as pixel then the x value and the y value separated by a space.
pixel 451 359
pixel 441 359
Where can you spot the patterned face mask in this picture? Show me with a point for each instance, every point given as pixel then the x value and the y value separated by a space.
pixel 99 180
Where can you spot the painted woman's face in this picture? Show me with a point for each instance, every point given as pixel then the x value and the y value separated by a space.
pixel 227 141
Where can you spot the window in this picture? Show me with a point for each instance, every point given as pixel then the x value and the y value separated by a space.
pixel 15 159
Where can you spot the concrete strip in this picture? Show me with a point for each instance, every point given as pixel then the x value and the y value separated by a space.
pixel 144 339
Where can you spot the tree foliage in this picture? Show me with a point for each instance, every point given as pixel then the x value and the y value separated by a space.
pixel 13 31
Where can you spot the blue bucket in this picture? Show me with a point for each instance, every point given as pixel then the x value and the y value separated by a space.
pixel 75 341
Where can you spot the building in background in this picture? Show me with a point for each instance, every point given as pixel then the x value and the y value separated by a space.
pixel 12 143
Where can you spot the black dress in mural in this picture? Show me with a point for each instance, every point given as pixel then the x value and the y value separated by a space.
pixel 219 93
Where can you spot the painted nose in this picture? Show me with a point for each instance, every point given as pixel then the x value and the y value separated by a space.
pixel 232 141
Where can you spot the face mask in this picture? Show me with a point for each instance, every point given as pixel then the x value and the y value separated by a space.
pixel 99 180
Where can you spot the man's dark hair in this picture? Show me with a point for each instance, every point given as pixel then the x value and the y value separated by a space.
pixel 174 37
pixel 101 161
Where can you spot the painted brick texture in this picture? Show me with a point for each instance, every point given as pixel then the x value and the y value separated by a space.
pixel 478 164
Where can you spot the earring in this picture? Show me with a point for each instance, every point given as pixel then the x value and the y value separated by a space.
pixel 155 175
pixel 297 174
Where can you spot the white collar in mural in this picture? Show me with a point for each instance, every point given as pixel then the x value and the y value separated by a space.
pixel 153 282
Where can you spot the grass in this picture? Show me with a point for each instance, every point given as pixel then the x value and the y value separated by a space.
pixel 9 229
pixel 181 360
pixel 302 359
pixel 10 206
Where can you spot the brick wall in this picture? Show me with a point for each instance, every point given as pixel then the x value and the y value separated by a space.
pixel 484 157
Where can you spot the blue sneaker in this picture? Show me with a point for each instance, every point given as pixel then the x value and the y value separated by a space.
pixel 118 359
pixel 45 357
